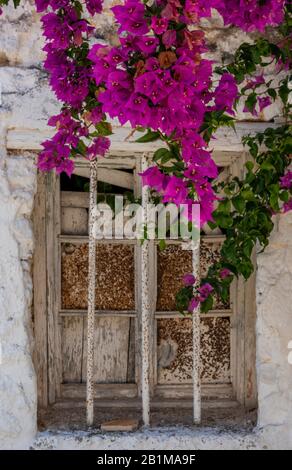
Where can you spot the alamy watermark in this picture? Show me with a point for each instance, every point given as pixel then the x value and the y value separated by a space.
pixel 152 221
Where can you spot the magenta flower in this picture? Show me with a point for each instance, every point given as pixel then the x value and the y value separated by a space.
pixel 147 44
pixel 286 180
pixel 130 16
pixel 189 279
pixel 287 206
pixel 99 147
pixel 159 25
pixel 176 191
pixel 226 93
pixel 154 178
pixel 55 155
pixel 224 273
pixel 264 102
pixel 94 6
pixel 205 290
pixel 193 304
pixel 169 38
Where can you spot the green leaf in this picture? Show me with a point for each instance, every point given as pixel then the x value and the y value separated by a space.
pixel 239 203
pixel 267 166
pixel 249 165
pixel 150 136
pixel 161 153
pixel 104 128
pixel 207 304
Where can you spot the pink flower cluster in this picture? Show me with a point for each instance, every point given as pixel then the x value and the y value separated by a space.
pixel 66 36
pixel 158 79
pixel 250 15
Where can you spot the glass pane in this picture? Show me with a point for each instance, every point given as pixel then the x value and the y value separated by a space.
pixel 114 282
pixel 174 350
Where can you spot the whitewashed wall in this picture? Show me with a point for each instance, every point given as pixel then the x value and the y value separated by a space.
pixel 25 105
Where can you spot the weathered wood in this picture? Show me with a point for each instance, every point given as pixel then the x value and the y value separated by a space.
pixel 99 313
pixel 250 339
pixel 119 425
pixel 52 231
pixel 72 348
pixel 131 362
pixel 100 391
pixel 226 140
pixel 74 199
pixel 40 293
pixel 111 343
pixel 115 177
pixel 135 403
pixel 74 221
pixel 80 239
pixel 208 391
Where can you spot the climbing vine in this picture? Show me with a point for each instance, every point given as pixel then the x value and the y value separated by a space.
pixel 160 80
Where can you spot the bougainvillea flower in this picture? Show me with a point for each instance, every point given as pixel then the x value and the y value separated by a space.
pixel 159 25
pixel 189 279
pixel 193 304
pixel 154 178
pixel 225 272
pixel 99 147
pixel 286 180
pixel 226 93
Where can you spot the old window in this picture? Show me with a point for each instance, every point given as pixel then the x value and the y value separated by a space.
pixel 60 306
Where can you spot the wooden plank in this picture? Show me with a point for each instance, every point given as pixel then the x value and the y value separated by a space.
pixel 101 391
pixel 40 294
pixel 111 347
pixel 131 352
pixel 208 391
pixel 250 340
pixel 226 139
pixel 52 228
pixel 74 199
pixel 115 177
pixel 74 220
pixel 80 239
pixel 133 403
pixel 99 313
pixel 72 349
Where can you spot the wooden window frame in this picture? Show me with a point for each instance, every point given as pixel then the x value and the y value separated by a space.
pixel 48 312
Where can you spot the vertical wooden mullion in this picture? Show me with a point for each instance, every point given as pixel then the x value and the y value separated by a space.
pixel 52 227
pixel 40 292
pixel 138 281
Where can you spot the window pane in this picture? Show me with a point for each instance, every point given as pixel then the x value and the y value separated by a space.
pixel 114 350
pixel 172 263
pixel 174 343
pixel 114 282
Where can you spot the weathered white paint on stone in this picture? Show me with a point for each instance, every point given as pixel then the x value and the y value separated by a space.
pixel 26 103
pixel 17 378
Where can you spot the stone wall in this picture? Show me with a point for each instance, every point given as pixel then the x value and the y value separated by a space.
pixel 26 103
